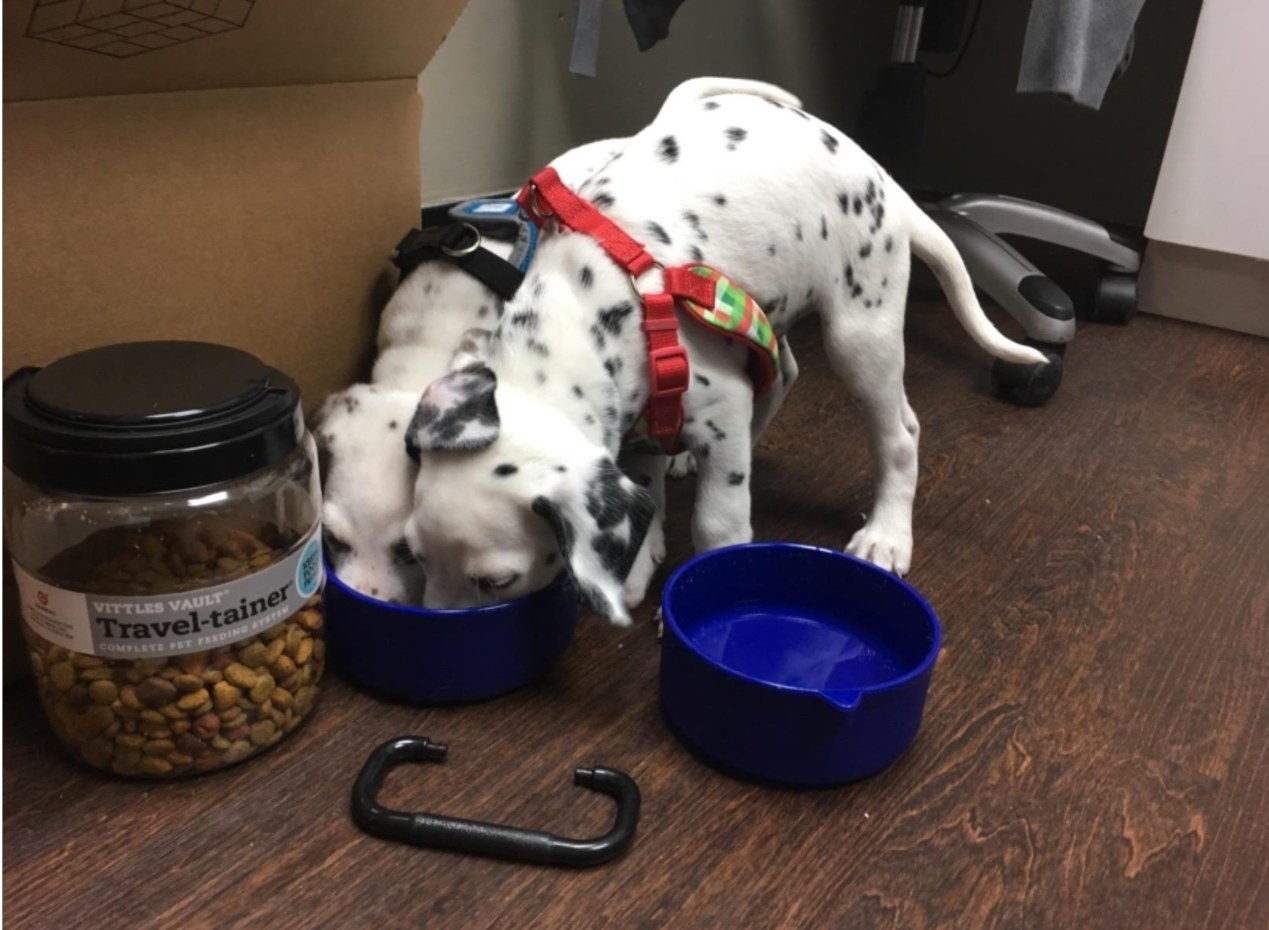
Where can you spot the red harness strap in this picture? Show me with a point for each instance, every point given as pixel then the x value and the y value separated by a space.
pixel 546 196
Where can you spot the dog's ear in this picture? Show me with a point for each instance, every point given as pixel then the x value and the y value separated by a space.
pixel 456 412
pixel 600 518
pixel 472 352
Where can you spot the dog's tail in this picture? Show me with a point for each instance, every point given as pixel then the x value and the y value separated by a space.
pixel 936 249
pixel 694 90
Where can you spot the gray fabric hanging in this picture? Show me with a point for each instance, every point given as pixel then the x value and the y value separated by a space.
pixel 1073 47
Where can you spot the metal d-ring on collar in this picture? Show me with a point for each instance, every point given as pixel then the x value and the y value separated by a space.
pixel 465 230
pixel 490 839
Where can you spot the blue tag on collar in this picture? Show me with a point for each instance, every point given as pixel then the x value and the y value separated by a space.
pixel 486 211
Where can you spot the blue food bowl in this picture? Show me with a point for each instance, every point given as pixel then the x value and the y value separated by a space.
pixel 447 656
pixel 794 664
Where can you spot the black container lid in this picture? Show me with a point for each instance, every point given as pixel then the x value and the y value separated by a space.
pixel 147 417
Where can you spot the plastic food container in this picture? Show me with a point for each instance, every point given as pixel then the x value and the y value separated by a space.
pixel 161 512
pixel 795 664
pixel 448 656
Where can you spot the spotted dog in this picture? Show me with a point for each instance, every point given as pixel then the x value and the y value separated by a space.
pixel 796 214
pixel 435 318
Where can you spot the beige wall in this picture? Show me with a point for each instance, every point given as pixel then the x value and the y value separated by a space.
pixel 499 100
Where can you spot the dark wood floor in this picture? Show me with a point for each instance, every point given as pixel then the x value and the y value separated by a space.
pixel 1095 751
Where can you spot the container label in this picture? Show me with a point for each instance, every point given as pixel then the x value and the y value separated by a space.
pixel 172 624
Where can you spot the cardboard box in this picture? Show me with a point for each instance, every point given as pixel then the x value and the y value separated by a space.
pixel 235 171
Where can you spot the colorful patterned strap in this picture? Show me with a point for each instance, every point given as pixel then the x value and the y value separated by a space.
pixel 732 313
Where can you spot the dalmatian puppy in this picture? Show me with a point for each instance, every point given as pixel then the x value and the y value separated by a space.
pixel 519 449
pixel 437 316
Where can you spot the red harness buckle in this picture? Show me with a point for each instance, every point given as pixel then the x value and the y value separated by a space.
pixel 669 370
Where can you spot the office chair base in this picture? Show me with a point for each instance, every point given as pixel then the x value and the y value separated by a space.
pixel 1114 299
pixel 1030 385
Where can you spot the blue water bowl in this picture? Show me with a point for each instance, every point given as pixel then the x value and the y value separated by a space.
pixel 447 656
pixel 793 664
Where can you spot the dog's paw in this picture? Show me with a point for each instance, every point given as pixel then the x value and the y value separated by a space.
pixel 640 577
pixel 682 465
pixel 886 548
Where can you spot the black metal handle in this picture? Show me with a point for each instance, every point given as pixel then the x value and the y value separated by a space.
pixel 490 839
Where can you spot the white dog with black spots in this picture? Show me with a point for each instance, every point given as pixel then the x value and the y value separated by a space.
pixel 519 447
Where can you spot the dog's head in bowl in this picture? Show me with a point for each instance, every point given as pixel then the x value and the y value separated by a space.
pixel 499 510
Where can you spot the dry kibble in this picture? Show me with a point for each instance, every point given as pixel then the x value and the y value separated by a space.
pixel 254 654
pixel 155 691
pixel 194 701
pixel 195 712
pixel 62 676
pixel 187 682
pixel 103 692
pixel 240 676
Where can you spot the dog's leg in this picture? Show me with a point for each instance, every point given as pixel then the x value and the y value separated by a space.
pixel 646 470
pixel 717 433
pixel 764 410
pixel 867 354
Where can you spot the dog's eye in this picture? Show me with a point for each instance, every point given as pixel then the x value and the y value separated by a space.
pixel 402 554
pixel 491 584
pixel 334 543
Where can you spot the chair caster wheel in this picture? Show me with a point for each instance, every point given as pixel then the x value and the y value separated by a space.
pixel 1114 299
pixel 1030 385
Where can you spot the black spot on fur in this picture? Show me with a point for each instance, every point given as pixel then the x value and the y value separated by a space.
pixel 610 413
pixel 713 428
pixel 590 420
pixel 868 304
pixel 702 380
pixel 612 366
pixel 657 231
pixel 775 103
pixel 587 276
pixel 693 220
pixel 541 377
pixel 850 274
pixel 858 205
pixel 577 391
pixel 865 250
pixel 889 243
pixel 720 200
pixel 701 450
pixel 711 104
pixel 843 201
pixel 695 252
pixel 771 249
pixel 483 311
pixel 736 134
pixel 506 470
pixel 603 200
pixel 528 319
pixel 823 227
pixel 561 468
pixel 885 281
pixel 797 231
pixel 668 150
pixel 433 428
pixel 537 288
pixel 736 478
pixel 856 290
pixel 611 318
pixel 537 348
pixel 871 193
pixel 830 141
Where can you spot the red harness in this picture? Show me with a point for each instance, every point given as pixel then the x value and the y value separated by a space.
pixel 545 197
